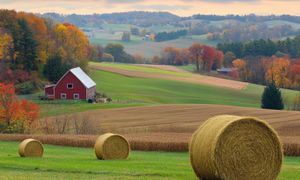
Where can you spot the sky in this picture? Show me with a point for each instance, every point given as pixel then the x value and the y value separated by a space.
pixel 179 7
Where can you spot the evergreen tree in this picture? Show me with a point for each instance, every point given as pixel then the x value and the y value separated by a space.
pixel 271 98
pixel 26 47
pixel 54 68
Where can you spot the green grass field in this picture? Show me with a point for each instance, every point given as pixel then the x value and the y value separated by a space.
pixel 58 107
pixel 128 92
pixel 80 163
pixel 132 67
pixel 148 48
pixel 139 46
pixel 158 91
pixel 174 92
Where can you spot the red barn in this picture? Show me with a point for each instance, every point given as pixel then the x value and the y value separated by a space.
pixel 75 84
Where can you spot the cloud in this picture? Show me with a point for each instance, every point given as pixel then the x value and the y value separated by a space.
pixel 124 1
pixel 179 7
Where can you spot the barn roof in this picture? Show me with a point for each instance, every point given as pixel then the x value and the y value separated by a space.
pixel 83 77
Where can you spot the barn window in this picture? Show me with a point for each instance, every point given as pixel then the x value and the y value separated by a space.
pixel 63 96
pixel 70 86
pixel 76 96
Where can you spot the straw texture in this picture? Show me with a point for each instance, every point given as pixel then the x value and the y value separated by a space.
pixel 111 146
pixel 31 148
pixel 233 147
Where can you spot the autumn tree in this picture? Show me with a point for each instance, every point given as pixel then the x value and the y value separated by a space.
pixel 6 47
pixel 205 56
pixel 218 60
pixel 184 56
pixel 155 60
pixel 208 57
pixel 96 53
pixel 72 44
pixel 169 55
pixel 41 34
pixel 15 115
pixel 278 72
pixel 240 65
pixel 294 74
pixel 196 51
pixel 229 57
pixel 140 59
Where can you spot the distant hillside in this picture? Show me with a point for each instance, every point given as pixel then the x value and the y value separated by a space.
pixel 144 18
pixel 247 18
pixel 140 18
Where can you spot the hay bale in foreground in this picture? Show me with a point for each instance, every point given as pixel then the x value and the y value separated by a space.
pixel 31 148
pixel 111 146
pixel 233 147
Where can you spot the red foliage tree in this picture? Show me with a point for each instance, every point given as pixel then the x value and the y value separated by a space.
pixel 219 58
pixel 196 51
pixel 15 113
pixel 294 74
pixel 208 57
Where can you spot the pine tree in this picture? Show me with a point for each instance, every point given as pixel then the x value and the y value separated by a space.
pixel 271 98
pixel 26 47
pixel 54 68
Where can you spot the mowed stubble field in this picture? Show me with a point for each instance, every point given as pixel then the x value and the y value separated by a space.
pixel 176 123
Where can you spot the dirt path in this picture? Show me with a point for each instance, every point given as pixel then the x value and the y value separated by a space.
pixel 193 78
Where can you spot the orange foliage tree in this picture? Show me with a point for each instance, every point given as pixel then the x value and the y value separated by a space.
pixel 219 58
pixel 240 65
pixel 72 44
pixel 15 115
pixel 6 45
pixel 294 74
pixel 278 72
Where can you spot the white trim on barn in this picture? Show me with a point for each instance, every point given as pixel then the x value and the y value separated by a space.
pixel 71 85
pixel 76 96
pixel 63 96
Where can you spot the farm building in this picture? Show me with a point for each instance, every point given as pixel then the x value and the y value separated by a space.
pixel 226 71
pixel 74 84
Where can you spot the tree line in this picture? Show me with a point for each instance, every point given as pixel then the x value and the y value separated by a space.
pixel 166 36
pixel 290 47
pixel 29 42
pixel 282 71
pixel 205 58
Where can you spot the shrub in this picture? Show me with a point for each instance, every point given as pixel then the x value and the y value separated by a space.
pixel 25 88
pixel 107 58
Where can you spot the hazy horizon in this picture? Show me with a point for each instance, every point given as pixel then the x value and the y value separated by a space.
pixel 178 7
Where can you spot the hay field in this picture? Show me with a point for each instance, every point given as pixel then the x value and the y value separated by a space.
pixel 186 77
pixel 184 118
pixel 80 163
pixel 169 127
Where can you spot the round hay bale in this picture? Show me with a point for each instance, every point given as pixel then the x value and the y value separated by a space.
pixel 111 146
pixel 31 148
pixel 233 147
